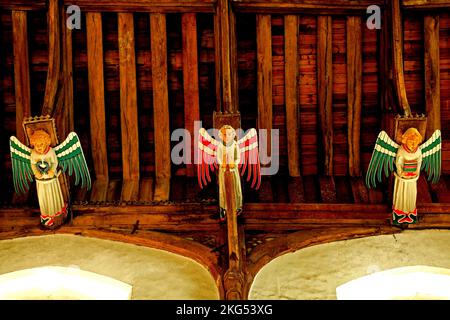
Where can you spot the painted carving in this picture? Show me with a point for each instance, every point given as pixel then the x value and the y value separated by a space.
pixel 227 154
pixel 406 160
pixel 46 163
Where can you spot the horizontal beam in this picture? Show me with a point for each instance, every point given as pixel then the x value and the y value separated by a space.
pixel 196 217
pixel 152 6
pixel 426 4
pixel 297 6
pixel 22 4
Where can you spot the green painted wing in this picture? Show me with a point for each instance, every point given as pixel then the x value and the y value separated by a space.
pixel 21 165
pixel 383 159
pixel 431 156
pixel 71 158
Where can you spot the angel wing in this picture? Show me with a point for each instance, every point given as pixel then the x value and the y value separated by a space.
pixel 21 165
pixel 248 147
pixel 207 152
pixel 383 159
pixel 71 157
pixel 431 156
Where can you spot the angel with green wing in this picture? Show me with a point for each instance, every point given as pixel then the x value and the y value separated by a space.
pixel 42 161
pixel 408 158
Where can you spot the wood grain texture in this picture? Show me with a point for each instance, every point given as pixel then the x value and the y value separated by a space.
pixel 21 70
pixel 190 82
pixel 302 6
pixel 426 4
pixel 432 73
pixel 325 88
pixel 153 6
pixel 54 58
pixel 128 108
pixel 158 37
pixel 291 93
pixel 65 117
pixel 397 47
pixel 224 53
pixel 354 93
pixel 97 105
pixel 21 5
pixel 264 60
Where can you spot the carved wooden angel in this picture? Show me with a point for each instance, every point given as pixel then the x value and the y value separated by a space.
pixel 409 159
pixel 42 161
pixel 232 155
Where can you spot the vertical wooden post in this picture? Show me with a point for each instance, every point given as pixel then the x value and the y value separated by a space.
pixel 128 108
pixel 325 87
pixel 66 123
pixel 354 92
pixel 264 57
pixel 291 85
pixel 97 105
pixel 223 53
pixel 397 46
pixel 233 278
pixel 190 83
pixel 161 105
pixel 21 70
pixel 54 58
pixel 432 74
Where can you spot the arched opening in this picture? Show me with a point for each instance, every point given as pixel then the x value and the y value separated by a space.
pixel 315 272
pixel 61 283
pixel 414 282
pixel 153 273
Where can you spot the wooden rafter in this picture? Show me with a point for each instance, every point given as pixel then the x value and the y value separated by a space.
pixel 128 108
pixel 97 105
pixel 190 81
pixel 21 70
pixel 397 47
pixel 354 92
pixel 432 73
pixel 291 93
pixel 325 88
pixel 158 37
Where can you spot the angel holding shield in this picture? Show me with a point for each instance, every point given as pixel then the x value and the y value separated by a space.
pixel 409 158
pixel 43 162
pixel 228 155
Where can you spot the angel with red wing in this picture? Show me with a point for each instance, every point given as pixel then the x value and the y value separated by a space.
pixel 228 155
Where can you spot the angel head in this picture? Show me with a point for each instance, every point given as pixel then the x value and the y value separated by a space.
pixel 40 140
pixel 227 134
pixel 411 139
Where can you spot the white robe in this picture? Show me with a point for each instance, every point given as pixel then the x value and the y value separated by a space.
pixel 233 155
pixel 405 190
pixel 51 200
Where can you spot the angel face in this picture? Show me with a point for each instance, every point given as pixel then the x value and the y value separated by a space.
pixel 40 140
pixel 227 134
pixel 411 139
